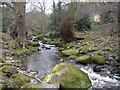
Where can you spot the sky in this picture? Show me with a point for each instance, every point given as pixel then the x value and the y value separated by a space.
pixel 29 5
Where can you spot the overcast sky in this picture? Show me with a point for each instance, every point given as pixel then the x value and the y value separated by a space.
pixel 29 5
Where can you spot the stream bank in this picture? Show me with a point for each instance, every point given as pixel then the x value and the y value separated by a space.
pixel 44 60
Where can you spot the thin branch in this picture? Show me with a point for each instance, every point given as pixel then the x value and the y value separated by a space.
pixel 9 5
pixel 30 76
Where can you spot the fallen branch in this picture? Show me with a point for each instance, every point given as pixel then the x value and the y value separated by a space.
pixel 31 76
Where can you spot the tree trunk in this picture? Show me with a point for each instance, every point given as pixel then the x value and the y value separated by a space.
pixel 119 31
pixel 20 20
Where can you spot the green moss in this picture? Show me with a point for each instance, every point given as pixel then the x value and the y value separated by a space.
pixel 68 76
pixel 98 58
pixel 72 57
pixel 93 48
pixel 84 59
pixel 8 63
pixel 20 52
pixel 46 40
pixel 70 52
pixel 1 86
pixel 4 68
pixel 84 48
pixel 20 79
pixel 61 49
pixel 1 61
pixel 4 75
pixel 35 44
pixel 32 49
pixel 13 44
pixel 30 85
pixel 70 45
pixel 11 69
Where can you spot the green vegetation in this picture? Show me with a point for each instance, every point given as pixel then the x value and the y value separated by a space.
pixel 68 76
pixel 84 34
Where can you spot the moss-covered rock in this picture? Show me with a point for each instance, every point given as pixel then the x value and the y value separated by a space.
pixel 70 45
pixel 9 63
pixel 40 85
pixel 70 52
pixel 20 52
pixel 12 70
pixel 20 79
pixel 4 68
pixel 32 49
pixel 98 58
pixel 1 86
pixel 61 49
pixel 84 59
pixel 30 85
pixel 13 44
pixel 93 48
pixel 68 76
pixel 72 57
pixel 84 48
pixel 35 44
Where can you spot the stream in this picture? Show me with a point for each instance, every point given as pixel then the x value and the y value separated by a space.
pixel 45 59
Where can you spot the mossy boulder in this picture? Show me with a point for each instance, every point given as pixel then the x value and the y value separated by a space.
pixel 93 48
pixel 1 86
pixel 20 79
pixel 4 68
pixel 8 63
pixel 84 59
pixel 20 52
pixel 72 57
pixel 35 44
pixel 32 49
pixel 31 85
pixel 69 76
pixel 12 70
pixel 70 52
pixel 40 85
pixel 61 49
pixel 98 58
pixel 84 48
pixel 70 45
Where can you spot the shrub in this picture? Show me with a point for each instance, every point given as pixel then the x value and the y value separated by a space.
pixel 83 24
pixel 66 30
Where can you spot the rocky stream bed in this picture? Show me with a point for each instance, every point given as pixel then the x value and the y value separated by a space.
pixel 53 66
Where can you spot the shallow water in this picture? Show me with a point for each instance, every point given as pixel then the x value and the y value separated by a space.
pixel 45 59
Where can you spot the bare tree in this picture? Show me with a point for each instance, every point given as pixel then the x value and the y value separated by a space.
pixel 42 6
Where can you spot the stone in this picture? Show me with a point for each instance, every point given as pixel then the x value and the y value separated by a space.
pixel 9 63
pixel 70 52
pixel 98 58
pixel 72 57
pixel 84 59
pixel 41 85
pixel 20 79
pixel 96 68
pixel 35 44
pixel 69 76
pixel 4 68
pixel 12 70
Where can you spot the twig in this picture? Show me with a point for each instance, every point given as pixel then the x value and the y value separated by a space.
pixel 31 76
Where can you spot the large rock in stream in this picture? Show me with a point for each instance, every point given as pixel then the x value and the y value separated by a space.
pixel 68 76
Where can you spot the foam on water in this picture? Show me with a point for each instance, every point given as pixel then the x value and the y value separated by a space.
pixel 99 81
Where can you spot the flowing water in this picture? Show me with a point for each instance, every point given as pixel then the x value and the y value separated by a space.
pixel 45 59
